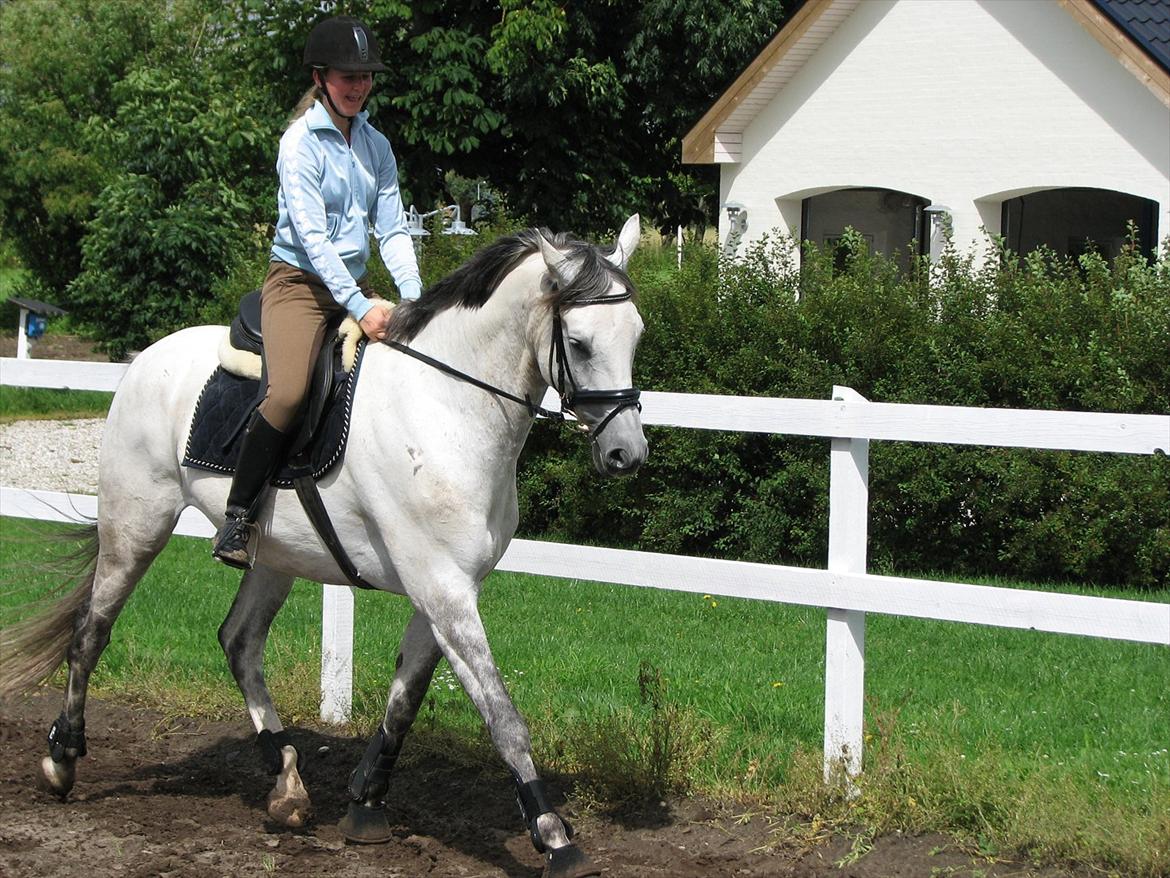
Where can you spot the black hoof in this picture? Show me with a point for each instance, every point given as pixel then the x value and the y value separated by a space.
pixel 363 825
pixel 569 862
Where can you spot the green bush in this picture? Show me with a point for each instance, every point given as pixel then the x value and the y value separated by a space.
pixel 1037 333
pixel 193 180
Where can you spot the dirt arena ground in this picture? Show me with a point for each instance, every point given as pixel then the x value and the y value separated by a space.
pixel 183 798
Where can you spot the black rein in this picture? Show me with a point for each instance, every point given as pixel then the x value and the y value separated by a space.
pixel 570 394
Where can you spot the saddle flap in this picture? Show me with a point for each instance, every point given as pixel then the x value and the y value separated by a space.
pixel 227 400
pixel 328 373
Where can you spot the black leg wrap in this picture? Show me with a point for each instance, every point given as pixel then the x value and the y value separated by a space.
pixel 365 820
pixel 371 779
pixel 270 744
pixel 63 737
pixel 533 801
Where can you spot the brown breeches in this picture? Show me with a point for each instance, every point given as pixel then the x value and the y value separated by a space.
pixel 295 306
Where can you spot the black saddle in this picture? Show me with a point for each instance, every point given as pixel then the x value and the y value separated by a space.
pixel 245 329
pixel 228 400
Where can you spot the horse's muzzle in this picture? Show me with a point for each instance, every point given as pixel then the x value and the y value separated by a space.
pixel 621 449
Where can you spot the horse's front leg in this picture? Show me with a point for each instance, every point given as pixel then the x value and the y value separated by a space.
pixel 366 821
pixel 243 635
pixel 459 631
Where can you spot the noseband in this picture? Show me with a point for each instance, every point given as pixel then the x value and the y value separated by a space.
pixel 565 385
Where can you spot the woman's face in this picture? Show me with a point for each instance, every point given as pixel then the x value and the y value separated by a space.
pixel 349 90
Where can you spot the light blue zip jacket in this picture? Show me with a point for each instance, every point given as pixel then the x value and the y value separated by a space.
pixel 331 194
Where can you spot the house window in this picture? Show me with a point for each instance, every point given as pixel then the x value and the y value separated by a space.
pixel 891 222
pixel 1072 222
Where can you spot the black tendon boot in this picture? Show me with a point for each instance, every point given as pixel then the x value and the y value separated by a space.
pixel 261 454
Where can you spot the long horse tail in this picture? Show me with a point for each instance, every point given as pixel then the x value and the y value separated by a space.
pixel 34 646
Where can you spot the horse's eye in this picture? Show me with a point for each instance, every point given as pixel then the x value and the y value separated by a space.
pixel 579 346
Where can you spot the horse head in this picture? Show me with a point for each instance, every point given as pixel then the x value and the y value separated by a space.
pixel 594 334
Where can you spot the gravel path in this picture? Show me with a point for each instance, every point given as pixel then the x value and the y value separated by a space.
pixel 51 455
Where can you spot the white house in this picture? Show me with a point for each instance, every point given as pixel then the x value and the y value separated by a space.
pixel 1045 121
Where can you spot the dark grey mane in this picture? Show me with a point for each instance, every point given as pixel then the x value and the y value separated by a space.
pixel 473 283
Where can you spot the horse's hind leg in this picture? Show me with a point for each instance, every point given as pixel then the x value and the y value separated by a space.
pixel 125 550
pixel 366 821
pixel 243 635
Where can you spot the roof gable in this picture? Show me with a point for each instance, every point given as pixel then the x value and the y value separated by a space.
pixel 718 135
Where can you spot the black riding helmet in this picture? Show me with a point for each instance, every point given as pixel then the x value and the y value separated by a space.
pixel 343 43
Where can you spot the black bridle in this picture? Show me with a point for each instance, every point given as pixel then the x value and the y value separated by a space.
pixel 564 384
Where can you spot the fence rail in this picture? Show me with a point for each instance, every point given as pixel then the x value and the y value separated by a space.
pixel 845 589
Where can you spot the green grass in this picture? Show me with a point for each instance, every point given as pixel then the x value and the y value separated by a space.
pixel 1048 744
pixel 28 403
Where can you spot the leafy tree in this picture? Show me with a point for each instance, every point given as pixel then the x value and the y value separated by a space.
pixel 575 111
pixel 130 166
pixel 580 109
pixel 60 64
pixel 191 186
pixel 572 113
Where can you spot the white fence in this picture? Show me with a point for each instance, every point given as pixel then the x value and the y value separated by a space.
pixel 844 589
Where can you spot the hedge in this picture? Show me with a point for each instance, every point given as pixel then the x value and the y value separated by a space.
pixel 1038 332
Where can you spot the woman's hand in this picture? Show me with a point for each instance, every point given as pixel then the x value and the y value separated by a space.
pixel 376 323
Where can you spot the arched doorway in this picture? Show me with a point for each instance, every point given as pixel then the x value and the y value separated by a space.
pixel 890 221
pixel 1073 221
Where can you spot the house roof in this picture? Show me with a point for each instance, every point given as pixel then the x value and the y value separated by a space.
pixel 1135 32
pixel 1147 22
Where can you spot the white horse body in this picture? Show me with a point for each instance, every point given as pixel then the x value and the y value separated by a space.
pixel 424 503
pixel 437 478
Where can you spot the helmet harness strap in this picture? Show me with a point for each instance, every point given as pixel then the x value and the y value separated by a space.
pixel 319 81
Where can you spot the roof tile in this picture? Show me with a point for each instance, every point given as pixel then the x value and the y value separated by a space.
pixel 1146 21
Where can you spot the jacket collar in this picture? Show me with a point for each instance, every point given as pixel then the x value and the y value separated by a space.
pixel 318 118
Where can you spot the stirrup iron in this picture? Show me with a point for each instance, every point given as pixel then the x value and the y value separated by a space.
pixel 236 543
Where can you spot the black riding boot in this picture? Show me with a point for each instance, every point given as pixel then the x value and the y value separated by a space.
pixel 261 454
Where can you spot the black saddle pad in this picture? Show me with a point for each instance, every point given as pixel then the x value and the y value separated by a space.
pixel 215 438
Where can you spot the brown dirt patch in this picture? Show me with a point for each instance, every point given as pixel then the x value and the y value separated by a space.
pixel 184 798
pixel 54 347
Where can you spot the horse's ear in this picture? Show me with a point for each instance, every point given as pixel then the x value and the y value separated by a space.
pixel 556 262
pixel 627 241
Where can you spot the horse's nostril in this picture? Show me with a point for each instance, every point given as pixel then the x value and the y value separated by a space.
pixel 617 457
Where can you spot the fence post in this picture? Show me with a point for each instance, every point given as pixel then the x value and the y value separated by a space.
pixel 845 631
pixel 336 653
pixel 22 336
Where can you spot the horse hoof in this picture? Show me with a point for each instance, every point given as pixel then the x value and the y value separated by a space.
pixel 288 803
pixel 569 862
pixel 58 777
pixel 291 811
pixel 363 825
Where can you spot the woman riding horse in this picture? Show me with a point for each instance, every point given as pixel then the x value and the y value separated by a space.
pixel 337 177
